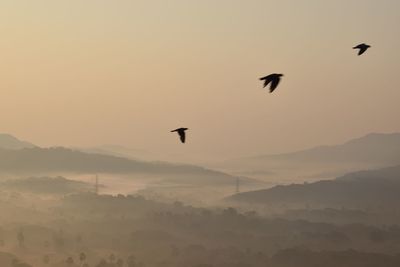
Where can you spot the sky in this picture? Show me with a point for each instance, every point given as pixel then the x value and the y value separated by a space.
pixel 86 73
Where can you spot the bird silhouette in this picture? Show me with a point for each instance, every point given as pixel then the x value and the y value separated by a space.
pixel 274 79
pixel 182 134
pixel 363 47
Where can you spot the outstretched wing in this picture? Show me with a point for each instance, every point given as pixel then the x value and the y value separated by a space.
pixel 182 135
pixel 274 84
pixel 362 50
pixel 266 79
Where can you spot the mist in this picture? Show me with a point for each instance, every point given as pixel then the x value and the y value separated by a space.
pixel 287 152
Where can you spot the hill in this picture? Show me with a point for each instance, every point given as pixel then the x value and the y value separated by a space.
pixel 375 150
pixel 47 185
pixel 375 189
pixel 121 151
pixel 8 141
pixel 62 160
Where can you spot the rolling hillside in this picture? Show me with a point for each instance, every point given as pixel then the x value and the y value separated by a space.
pixel 367 189
pixel 324 162
pixel 62 160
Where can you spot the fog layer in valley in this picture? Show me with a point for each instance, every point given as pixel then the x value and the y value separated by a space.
pixel 66 207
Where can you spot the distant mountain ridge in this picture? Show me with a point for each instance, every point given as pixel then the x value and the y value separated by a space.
pixel 374 147
pixel 49 185
pixel 8 141
pixel 59 160
pixel 364 188
pixel 25 159
pixel 372 151
pixel 120 151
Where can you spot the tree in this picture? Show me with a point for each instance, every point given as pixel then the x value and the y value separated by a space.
pixel 112 258
pixel 21 238
pixel 58 239
pixel 82 257
pixel 46 259
pixel 131 261
pixel 102 263
pixel 1 237
pixel 69 261
pixel 174 251
pixel 79 239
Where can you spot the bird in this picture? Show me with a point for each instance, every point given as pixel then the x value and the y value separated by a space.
pixel 274 79
pixel 363 47
pixel 181 132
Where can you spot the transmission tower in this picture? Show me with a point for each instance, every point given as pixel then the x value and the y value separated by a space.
pixel 96 185
pixel 237 185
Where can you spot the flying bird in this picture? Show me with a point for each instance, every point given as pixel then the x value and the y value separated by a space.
pixel 363 47
pixel 181 132
pixel 274 79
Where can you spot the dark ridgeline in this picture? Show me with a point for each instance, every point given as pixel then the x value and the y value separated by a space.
pixel 372 151
pixel 60 159
pixel 366 190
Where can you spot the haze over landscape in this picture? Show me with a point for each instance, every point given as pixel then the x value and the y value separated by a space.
pixel 88 73
pixel 286 151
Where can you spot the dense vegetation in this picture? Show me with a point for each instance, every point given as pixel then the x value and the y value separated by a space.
pixel 103 230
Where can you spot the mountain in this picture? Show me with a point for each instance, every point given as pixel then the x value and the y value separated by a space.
pixel 64 159
pixel 120 151
pixel 375 150
pixel 47 185
pixel 367 189
pixel 60 160
pixel 8 141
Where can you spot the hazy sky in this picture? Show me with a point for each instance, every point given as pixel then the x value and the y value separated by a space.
pixel 92 72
